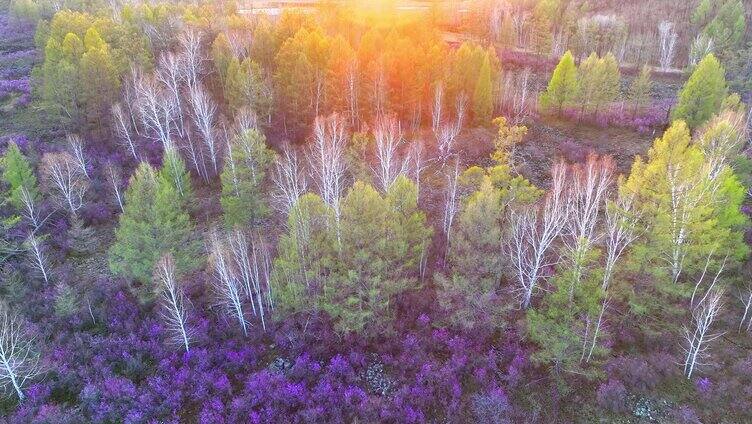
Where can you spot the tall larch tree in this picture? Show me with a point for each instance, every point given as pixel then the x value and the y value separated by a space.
pixel 609 77
pixel 483 95
pixel 99 78
pixel 18 175
pixel 221 54
pixel 588 81
pixel 59 82
pixel 690 212
pixel 563 88
pixel 639 90
pixel 702 95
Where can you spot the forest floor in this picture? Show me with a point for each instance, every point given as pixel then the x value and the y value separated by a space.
pixel 550 138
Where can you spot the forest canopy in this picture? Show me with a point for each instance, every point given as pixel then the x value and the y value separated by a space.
pixel 393 211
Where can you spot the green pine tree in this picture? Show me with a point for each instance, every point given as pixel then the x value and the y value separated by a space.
pixel 233 84
pixel 562 88
pixel 244 87
pixel 174 172
pixel 17 175
pixel 306 256
pixel 99 80
pixel 482 98
pixel 382 257
pixel 702 95
pixel 639 90
pixel 244 171
pixel 609 77
pixel 152 224
pixel 471 294
pixel 221 56
pixel 727 27
pixel 560 325
pixel 354 279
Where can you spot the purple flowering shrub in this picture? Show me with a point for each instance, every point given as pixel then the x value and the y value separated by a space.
pixel 15 33
pixel 491 407
pixel 573 152
pixel 686 415
pixel 645 121
pixel 612 396
pixel 113 365
pixel 17 57
pixel 9 87
pixel 734 390
pixel 538 63
pixel 635 372
pixel 16 64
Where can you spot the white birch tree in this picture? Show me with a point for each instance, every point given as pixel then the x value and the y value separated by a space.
pixel 746 298
pixel 173 302
pixel 226 284
pixel 521 97
pixel 77 150
pixel 246 119
pixel 122 127
pixel 289 179
pixel 532 233
pixel 449 131
pixel 37 256
pixel 694 303
pixel 328 161
pixel 171 73
pixel 388 137
pixel 596 332
pixel 698 335
pixel 720 142
pixel 416 162
pixel 621 231
pixel 193 59
pixel 115 180
pixel 19 360
pixel 451 204
pixel 156 110
pixel 65 180
pixel 353 88
pixel 130 100
pixel 204 115
pixel 667 35
pixel 195 155
pixel 587 188
pixel 437 107
pixel 701 47
pixel 30 211
pixel 252 261
pixel 683 194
